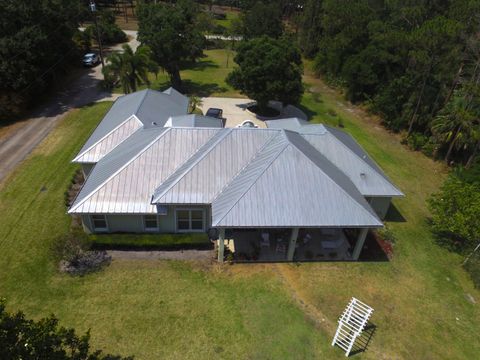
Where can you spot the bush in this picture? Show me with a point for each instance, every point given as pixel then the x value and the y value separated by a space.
pixel 416 141
pixel 72 252
pixel 455 210
pixel 472 266
pixel 387 234
pixel 22 338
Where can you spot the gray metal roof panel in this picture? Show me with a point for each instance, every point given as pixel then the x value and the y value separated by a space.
pixel 130 188
pixel 147 105
pixel 194 120
pixel 211 169
pixel 345 153
pixel 290 184
pixel 287 124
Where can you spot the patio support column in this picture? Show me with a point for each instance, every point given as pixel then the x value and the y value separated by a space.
pixel 291 245
pixel 221 244
pixel 359 244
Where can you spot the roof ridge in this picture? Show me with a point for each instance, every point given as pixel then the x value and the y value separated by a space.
pixel 106 135
pixel 331 179
pixel 382 175
pixel 141 102
pixel 266 166
pixel 204 150
pixel 119 170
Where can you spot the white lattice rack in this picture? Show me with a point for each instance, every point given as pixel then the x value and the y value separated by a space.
pixel 351 324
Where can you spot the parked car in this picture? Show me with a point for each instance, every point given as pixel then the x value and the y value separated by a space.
pixel 216 113
pixel 91 59
pixel 247 124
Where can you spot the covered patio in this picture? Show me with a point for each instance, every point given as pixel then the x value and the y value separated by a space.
pixel 297 244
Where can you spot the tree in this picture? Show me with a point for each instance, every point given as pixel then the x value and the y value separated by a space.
pixel 110 32
pixel 262 19
pixel 268 69
pixel 311 27
pixel 21 338
pixel 455 210
pixel 35 47
pixel 130 68
pixel 173 35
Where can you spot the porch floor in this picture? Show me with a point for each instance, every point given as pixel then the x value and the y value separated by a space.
pixel 312 245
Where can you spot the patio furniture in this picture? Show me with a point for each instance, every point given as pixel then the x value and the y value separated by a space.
pixel 281 248
pixel 265 240
pixel 332 244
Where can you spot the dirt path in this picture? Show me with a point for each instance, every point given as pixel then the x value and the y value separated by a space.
pixel 19 139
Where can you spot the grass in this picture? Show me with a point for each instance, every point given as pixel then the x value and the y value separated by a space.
pixel 206 77
pixel 152 309
pixel 164 309
pixel 150 241
pixel 227 23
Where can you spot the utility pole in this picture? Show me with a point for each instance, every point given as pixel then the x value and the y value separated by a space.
pixel 93 9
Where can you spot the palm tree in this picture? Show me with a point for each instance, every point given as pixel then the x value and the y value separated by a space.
pixel 195 102
pixel 129 68
pixel 455 125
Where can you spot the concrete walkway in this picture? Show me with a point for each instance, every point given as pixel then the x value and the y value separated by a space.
pixel 162 255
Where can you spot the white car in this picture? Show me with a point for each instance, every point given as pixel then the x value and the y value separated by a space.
pixel 247 123
pixel 91 59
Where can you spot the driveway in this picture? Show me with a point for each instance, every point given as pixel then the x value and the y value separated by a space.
pixel 23 136
pixel 233 110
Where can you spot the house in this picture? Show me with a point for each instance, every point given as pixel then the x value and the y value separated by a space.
pixel 288 191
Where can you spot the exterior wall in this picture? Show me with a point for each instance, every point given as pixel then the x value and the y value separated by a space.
pixel 380 205
pixel 135 223
pixel 87 168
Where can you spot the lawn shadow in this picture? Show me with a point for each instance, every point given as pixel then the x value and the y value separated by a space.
pixel 203 90
pixel 309 112
pixel 362 342
pixel 200 65
pixel 394 214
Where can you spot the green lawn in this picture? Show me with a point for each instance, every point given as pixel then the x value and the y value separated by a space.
pixel 206 77
pixel 152 309
pixel 163 309
pixel 227 23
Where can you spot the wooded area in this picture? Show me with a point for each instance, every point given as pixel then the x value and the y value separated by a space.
pixel 416 64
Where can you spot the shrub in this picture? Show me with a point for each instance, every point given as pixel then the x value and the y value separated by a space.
pixel 387 234
pixel 472 266
pixel 22 338
pixel 416 141
pixel 72 252
pixel 455 210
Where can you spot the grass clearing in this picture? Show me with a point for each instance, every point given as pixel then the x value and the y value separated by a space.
pixel 206 77
pixel 166 309
pixel 151 309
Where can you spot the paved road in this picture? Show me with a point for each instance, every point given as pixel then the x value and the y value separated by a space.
pixel 16 145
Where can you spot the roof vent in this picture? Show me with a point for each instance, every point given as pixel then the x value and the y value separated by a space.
pixel 363 175
pixel 154 123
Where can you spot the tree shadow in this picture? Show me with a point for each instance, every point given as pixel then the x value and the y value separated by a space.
pixel 362 342
pixel 394 215
pixel 203 90
pixel 199 65
pixel 309 112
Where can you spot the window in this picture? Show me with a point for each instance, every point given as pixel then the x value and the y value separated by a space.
pixel 190 220
pixel 150 222
pixel 99 223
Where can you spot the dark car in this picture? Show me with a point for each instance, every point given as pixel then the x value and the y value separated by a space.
pixel 91 59
pixel 216 113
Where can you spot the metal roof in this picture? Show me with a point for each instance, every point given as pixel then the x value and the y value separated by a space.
pixel 194 120
pixel 126 186
pixel 206 173
pixel 151 108
pixel 102 147
pixel 290 184
pixel 287 124
pixel 346 154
